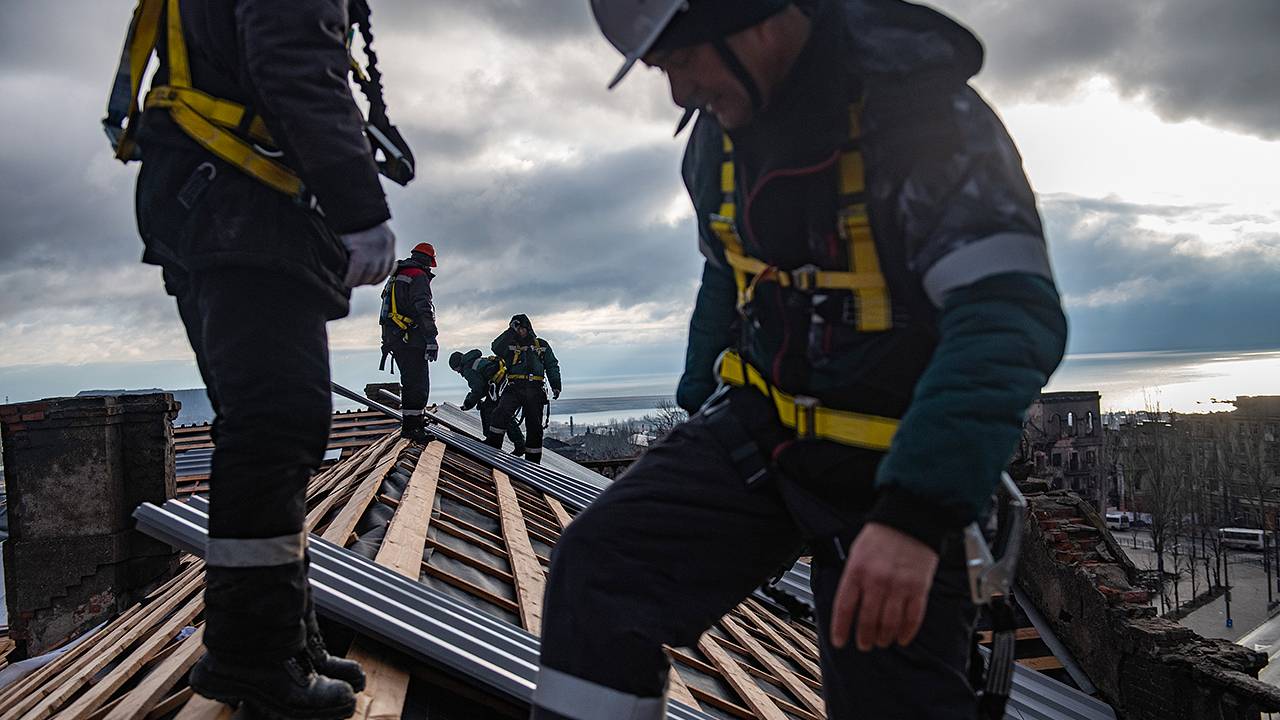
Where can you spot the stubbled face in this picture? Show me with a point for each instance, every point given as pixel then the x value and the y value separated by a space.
pixel 700 79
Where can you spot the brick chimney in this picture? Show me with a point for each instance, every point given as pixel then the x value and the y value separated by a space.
pixel 75 468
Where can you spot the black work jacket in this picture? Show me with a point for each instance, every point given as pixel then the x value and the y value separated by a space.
pixel 529 356
pixel 289 64
pixel 927 140
pixel 411 283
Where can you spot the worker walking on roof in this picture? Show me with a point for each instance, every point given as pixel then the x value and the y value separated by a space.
pixel 485 376
pixel 529 361
pixel 408 320
pixel 259 198
pixel 876 313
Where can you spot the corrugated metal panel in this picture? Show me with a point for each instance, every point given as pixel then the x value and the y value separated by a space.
pixel 395 610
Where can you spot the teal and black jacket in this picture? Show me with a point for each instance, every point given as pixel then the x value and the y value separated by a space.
pixel 976 322
pixel 529 358
pixel 479 372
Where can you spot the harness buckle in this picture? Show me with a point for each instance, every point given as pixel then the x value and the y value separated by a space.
pixel 805 278
pixel 806 417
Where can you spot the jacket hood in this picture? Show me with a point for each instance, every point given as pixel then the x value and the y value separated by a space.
pixel 471 356
pixel 901 39
pixel 523 320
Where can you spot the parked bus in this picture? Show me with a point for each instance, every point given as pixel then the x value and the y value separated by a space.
pixel 1117 520
pixel 1243 538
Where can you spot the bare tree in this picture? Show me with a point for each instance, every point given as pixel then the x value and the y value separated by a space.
pixel 1150 459
pixel 1249 445
pixel 668 416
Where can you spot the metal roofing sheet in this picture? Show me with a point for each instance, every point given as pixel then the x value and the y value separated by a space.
pixel 394 609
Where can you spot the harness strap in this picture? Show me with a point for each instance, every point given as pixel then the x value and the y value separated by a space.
pixel 531 378
pixel 999 681
pixel 863 278
pixel 404 322
pixel 805 415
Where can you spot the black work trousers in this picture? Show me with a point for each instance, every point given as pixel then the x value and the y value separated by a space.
pixel 415 378
pixel 261 345
pixel 519 395
pixel 487 409
pixel 679 540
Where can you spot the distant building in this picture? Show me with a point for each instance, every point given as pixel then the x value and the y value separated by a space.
pixel 1063 435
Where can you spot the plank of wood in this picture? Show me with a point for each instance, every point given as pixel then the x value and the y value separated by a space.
pixel 143 699
pixel 804 642
pixel 386 677
pixel 171 703
pixel 677 689
pixel 531 581
pixel 792 682
pixel 741 682
pixel 322 508
pixel 386 682
pixel 81 663
pixel 787 646
pixel 406 536
pixel 151 624
pixel 1042 664
pixel 342 526
pixel 1028 633
pixel 100 691
pixel 202 708
pixel 340 471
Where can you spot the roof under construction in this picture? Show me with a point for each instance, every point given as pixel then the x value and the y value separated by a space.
pixel 429 563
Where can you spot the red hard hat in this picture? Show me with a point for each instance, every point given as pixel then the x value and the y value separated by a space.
pixel 426 249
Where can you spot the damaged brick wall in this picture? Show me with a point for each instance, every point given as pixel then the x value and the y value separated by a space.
pixel 1146 667
pixel 75 470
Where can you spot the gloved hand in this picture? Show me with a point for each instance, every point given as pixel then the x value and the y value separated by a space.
pixel 555 393
pixel 467 406
pixel 371 255
pixel 433 351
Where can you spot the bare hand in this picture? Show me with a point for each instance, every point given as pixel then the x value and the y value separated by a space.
pixel 884 588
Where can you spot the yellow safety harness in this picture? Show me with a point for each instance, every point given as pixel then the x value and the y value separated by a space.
pixel 228 129
pixel 873 312
pixel 805 415
pixel 863 278
pixel 402 321
pixel 208 120
pixel 536 347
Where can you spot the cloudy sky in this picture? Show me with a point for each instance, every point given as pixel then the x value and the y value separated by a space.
pixel 1151 131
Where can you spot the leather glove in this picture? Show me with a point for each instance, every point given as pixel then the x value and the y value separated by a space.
pixel 433 351
pixel 467 406
pixel 371 255
pixel 555 394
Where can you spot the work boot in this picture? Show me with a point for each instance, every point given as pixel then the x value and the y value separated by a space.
pixel 288 689
pixel 519 451
pixel 348 671
pixel 411 428
pixel 493 441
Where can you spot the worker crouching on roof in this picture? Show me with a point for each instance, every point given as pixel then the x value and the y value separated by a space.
pixel 486 377
pixel 529 361
pixel 408 320
pixel 260 200
pixel 876 312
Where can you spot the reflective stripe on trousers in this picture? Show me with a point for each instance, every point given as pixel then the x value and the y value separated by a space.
pixel 578 699
pixel 255 552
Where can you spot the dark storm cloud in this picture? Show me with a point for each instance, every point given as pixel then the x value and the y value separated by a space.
pixel 1128 287
pixel 1218 62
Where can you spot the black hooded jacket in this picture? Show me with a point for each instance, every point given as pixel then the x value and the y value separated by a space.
pixel 529 356
pixel 411 285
